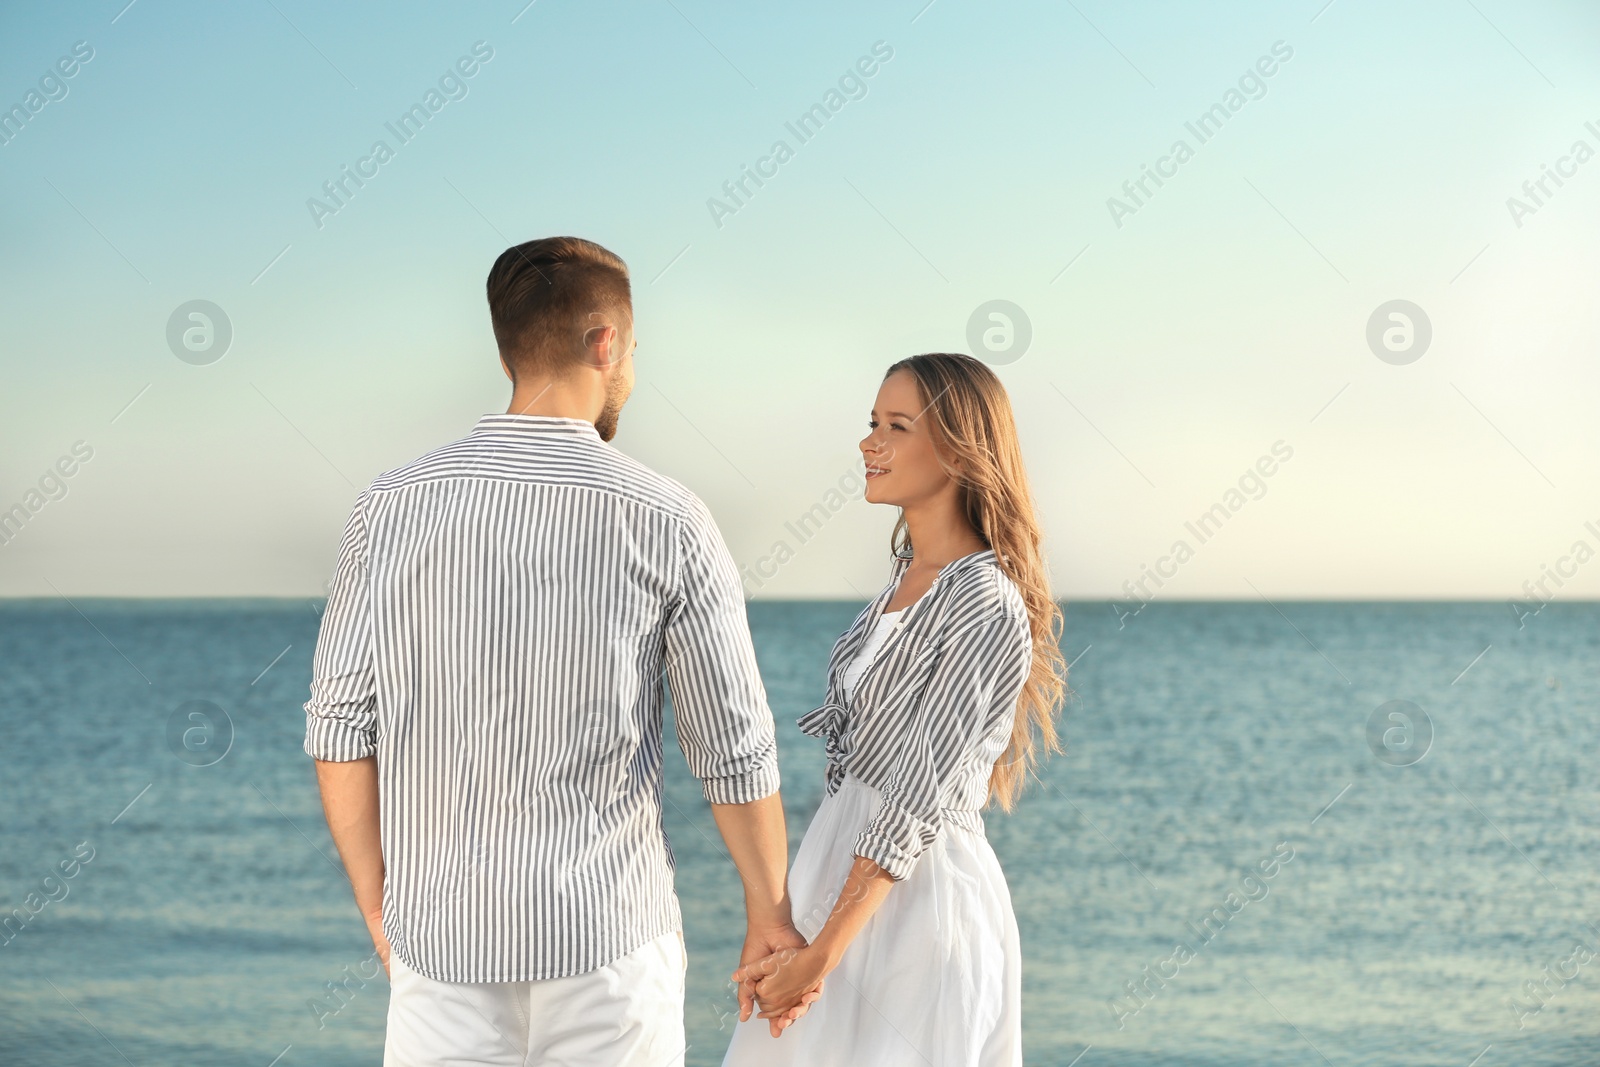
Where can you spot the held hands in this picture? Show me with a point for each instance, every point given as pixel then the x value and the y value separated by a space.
pixel 785 984
pixel 772 975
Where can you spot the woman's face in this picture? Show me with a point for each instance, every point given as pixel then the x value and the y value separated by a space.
pixel 902 466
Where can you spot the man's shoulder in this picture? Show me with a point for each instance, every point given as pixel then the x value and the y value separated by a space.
pixel 649 486
pixel 586 464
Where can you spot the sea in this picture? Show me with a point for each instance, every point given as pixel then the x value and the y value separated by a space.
pixel 1331 834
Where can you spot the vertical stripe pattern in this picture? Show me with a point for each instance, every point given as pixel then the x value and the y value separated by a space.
pixel 500 618
pixel 926 720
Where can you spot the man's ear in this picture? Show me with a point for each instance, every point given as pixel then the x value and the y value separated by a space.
pixel 599 345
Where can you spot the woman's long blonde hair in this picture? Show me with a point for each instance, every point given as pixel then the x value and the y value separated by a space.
pixel 970 416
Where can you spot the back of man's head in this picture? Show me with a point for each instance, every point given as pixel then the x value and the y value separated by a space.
pixel 545 297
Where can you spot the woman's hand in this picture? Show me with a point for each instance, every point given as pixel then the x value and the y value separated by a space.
pixel 764 939
pixel 786 983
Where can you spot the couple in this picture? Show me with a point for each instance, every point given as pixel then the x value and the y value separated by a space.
pixel 486 721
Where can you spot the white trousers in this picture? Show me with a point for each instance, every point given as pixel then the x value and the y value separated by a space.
pixel 628 1012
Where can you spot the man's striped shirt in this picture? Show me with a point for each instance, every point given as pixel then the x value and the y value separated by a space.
pixel 497 628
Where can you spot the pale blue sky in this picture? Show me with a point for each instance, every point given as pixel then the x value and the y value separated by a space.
pixel 1227 313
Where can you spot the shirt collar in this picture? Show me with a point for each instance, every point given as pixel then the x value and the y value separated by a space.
pixel 855 636
pixel 902 560
pixel 547 425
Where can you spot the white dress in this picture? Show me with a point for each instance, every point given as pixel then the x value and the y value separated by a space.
pixel 932 980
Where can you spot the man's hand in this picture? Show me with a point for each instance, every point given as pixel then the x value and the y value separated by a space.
pixel 379 941
pixel 765 946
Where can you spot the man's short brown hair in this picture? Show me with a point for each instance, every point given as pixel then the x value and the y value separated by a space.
pixel 542 295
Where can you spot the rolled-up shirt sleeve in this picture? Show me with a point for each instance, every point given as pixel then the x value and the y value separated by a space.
pixel 719 704
pixel 977 671
pixel 341 716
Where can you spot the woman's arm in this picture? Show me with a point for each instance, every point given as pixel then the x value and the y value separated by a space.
pixel 866 887
pixel 977 675
pixel 781 980
pixel 955 708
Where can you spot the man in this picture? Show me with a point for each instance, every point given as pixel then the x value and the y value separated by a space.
pixel 486 710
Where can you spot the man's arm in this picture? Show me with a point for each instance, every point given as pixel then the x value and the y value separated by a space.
pixel 725 729
pixel 719 705
pixel 341 726
pixel 350 803
pixel 759 844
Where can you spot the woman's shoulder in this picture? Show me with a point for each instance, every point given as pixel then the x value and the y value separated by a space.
pixel 982 592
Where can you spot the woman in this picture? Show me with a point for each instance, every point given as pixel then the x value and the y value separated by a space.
pixel 940 697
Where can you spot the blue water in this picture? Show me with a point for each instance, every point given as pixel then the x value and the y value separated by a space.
pixel 1421 894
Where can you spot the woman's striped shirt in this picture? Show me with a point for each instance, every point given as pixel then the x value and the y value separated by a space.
pixel 933 711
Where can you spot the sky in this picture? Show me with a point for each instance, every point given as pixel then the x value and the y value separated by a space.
pixel 1347 322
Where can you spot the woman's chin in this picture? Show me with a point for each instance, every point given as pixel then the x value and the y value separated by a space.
pixel 875 495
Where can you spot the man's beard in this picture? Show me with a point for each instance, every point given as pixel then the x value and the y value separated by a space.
pixel 616 393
